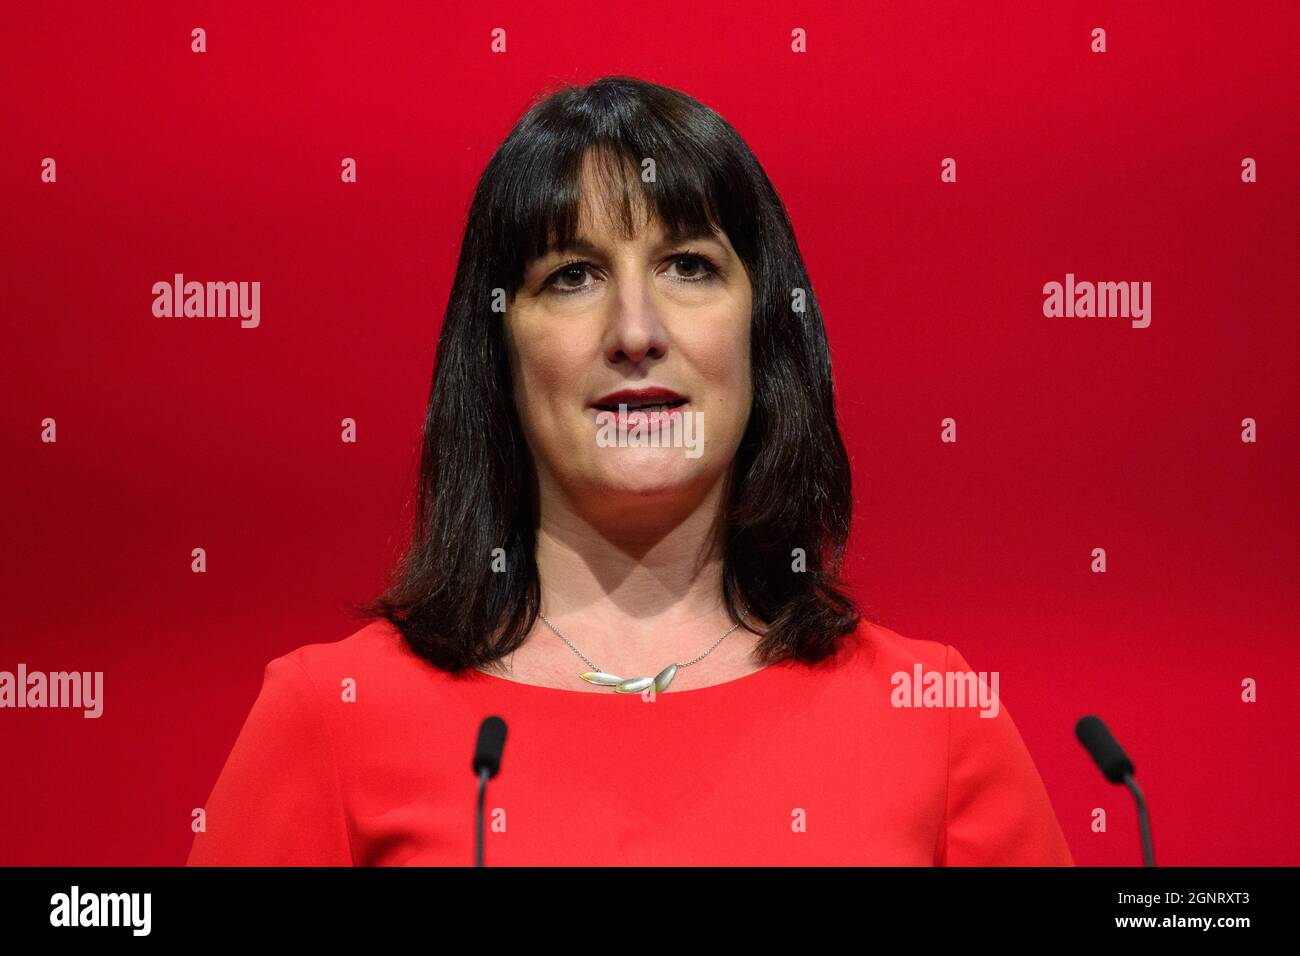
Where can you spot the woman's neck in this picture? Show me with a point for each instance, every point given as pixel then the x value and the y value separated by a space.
pixel 633 580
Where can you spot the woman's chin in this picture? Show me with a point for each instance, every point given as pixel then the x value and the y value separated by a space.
pixel 661 473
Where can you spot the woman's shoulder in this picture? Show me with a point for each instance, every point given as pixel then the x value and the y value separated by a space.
pixel 375 654
pixel 885 650
pixel 376 642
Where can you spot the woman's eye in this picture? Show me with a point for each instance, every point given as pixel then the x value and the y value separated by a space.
pixel 691 268
pixel 698 269
pixel 559 282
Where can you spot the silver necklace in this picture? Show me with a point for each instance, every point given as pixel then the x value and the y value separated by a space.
pixel 631 685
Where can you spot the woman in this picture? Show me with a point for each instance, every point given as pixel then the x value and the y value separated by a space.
pixel 632 508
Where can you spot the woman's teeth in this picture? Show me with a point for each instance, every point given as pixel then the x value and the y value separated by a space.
pixel 657 407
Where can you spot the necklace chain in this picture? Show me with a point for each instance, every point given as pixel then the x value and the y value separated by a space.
pixel 593 666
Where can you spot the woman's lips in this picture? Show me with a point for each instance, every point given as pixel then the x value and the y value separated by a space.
pixel 646 417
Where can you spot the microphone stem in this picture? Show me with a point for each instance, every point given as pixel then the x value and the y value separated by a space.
pixel 478 829
pixel 1148 852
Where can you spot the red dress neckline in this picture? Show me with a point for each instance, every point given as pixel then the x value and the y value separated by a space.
pixel 744 681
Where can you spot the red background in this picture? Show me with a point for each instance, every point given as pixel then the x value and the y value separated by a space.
pixel 1073 433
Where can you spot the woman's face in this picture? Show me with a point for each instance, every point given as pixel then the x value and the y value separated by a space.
pixel 638 322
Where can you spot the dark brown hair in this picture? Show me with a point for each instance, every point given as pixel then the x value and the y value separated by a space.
pixel 789 487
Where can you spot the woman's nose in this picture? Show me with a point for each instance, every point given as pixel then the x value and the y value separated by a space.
pixel 636 329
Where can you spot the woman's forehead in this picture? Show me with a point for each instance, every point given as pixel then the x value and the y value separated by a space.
pixel 608 204
pixel 599 222
pixel 603 211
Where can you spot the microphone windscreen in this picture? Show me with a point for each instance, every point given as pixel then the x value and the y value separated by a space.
pixel 491 742
pixel 1104 749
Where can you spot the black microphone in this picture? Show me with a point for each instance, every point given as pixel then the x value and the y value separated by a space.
pixel 487 763
pixel 1109 756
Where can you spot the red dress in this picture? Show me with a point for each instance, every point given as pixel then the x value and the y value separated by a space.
pixel 789 765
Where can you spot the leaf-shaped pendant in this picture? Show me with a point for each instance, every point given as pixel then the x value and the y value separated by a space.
pixel 600 677
pixel 665 677
pixel 634 685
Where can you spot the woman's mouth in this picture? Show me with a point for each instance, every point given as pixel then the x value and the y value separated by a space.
pixel 624 407
pixel 646 407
